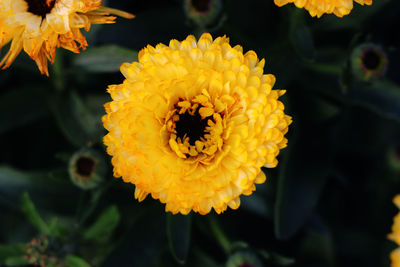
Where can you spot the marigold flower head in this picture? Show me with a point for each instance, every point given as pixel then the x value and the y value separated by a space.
pixel 193 123
pixel 39 26
pixel 319 7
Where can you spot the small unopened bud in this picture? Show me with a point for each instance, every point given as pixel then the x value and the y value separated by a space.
pixel 87 168
pixel 369 62
pixel 39 252
pixel 203 12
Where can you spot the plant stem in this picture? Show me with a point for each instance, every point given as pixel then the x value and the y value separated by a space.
pixel 219 234
pixel 324 68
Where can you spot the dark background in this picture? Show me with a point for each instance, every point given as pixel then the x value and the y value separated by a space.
pixel 328 202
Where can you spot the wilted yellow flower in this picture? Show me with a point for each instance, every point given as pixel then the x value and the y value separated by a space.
pixel 193 123
pixel 39 26
pixel 319 7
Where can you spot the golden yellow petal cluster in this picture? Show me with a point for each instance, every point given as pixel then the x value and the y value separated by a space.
pixel 395 258
pixel 395 235
pixel 193 123
pixel 319 7
pixel 39 26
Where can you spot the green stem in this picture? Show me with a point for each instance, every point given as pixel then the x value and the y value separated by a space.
pixel 91 205
pixel 219 234
pixel 324 68
pixel 57 72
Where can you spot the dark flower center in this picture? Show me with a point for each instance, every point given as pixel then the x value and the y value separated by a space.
pixel 201 5
pixel 371 59
pixel 40 7
pixel 85 166
pixel 192 126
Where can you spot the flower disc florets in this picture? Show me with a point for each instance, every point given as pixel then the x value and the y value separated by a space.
pixel 319 7
pixel 193 123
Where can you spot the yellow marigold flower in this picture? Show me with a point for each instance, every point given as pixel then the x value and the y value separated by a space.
pixel 319 7
pixel 395 235
pixel 395 258
pixel 193 123
pixel 39 26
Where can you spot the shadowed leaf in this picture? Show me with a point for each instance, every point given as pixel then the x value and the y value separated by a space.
pixel 178 232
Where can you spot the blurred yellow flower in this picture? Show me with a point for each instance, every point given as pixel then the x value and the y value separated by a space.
pixel 39 26
pixel 319 7
pixel 193 123
pixel 395 258
pixel 395 235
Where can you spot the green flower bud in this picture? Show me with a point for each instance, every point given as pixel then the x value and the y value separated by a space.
pixel 87 168
pixel 368 62
pixel 203 12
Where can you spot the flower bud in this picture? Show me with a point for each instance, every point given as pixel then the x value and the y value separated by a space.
pixel 368 62
pixel 203 12
pixel 38 253
pixel 87 168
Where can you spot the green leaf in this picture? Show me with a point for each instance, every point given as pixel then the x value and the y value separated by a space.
pixel 202 259
pixel 238 245
pixel 13 250
pixel 178 233
pixel 302 41
pixel 382 97
pixel 16 261
pixel 28 208
pixel 281 260
pixel 76 121
pixel 104 226
pixel 53 227
pixel 317 247
pixel 275 258
pixel 11 178
pixel 106 58
pixel 74 261
pixel 22 106
pixel 303 173
pixel 14 182
pixel 218 234
pixel 257 204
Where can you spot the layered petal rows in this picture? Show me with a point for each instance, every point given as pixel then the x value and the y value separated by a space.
pixel 193 123
pixel 319 7
pixel 40 26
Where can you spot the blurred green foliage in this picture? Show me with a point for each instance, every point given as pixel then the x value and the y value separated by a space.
pixel 328 203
